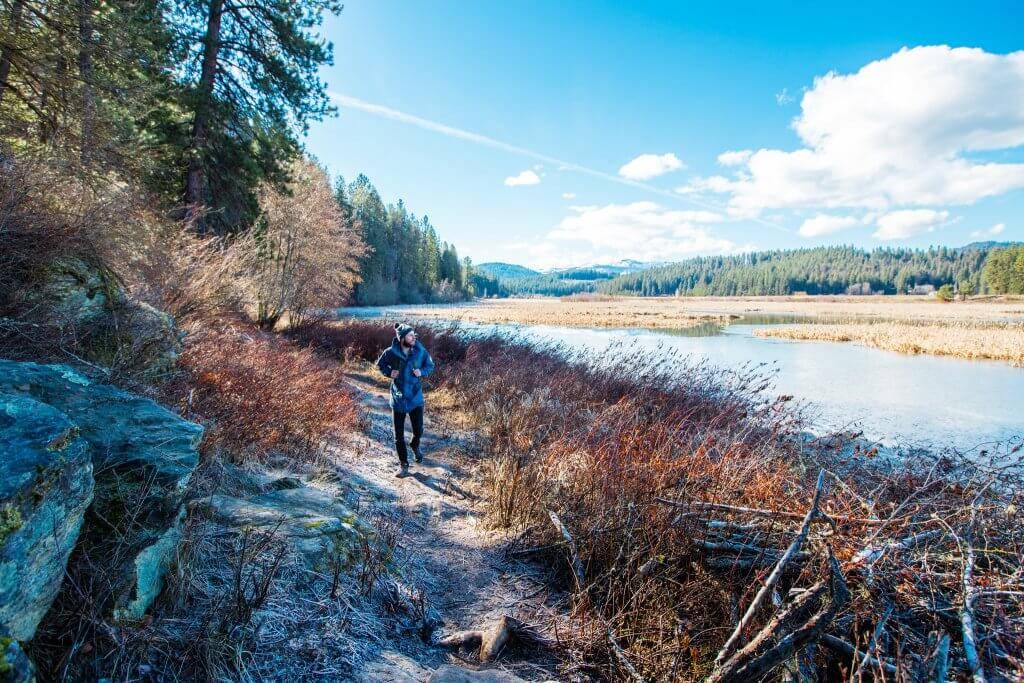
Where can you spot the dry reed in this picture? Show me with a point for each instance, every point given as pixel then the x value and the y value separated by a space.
pixel 962 340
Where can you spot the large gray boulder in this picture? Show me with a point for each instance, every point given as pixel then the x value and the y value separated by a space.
pixel 46 484
pixel 142 455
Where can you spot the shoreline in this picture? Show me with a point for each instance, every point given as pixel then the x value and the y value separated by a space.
pixel 977 329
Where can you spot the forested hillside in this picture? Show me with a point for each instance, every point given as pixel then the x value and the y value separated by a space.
pixel 406 262
pixel 507 271
pixel 517 280
pixel 820 270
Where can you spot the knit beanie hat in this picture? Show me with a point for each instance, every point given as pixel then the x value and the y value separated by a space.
pixel 401 329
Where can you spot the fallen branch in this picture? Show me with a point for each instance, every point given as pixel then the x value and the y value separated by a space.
pixel 873 643
pixel 940 667
pixel 773 578
pixel 574 557
pixel 623 659
pixel 841 645
pixel 760 512
pixel 804 620
pixel 871 554
pixel 577 567
pixel 490 641
pixel 967 617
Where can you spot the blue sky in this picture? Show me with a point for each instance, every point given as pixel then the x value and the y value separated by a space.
pixel 513 125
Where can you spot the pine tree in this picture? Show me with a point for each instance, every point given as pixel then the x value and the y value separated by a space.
pixel 251 87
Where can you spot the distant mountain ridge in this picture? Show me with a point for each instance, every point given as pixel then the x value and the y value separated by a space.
pixel 520 280
pixel 989 244
pixel 814 270
pixel 506 271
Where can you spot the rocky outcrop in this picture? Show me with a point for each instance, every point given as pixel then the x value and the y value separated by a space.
pixel 46 484
pixel 88 302
pixel 142 458
pixel 314 522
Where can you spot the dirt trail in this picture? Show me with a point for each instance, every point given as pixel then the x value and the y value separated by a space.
pixel 444 549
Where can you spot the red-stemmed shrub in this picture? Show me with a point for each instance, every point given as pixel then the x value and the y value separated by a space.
pixel 259 393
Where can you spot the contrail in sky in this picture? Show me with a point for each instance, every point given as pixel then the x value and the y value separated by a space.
pixel 469 136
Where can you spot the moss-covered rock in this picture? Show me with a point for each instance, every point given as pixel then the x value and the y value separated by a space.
pixel 46 484
pixel 87 303
pixel 142 455
pixel 15 666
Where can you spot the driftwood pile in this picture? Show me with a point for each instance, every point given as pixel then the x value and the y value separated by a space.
pixel 900 606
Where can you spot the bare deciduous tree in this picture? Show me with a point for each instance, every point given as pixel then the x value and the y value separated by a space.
pixel 303 254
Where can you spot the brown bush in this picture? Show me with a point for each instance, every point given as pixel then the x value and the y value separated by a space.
pixel 259 393
pixel 69 253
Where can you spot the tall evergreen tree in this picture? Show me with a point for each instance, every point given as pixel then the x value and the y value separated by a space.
pixel 251 86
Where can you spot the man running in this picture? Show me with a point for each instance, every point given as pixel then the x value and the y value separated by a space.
pixel 406 363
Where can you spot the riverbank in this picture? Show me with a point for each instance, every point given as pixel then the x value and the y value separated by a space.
pixel 917 308
pixel 660 497
pixel 990 328
pixel 973 340
pixel 683 312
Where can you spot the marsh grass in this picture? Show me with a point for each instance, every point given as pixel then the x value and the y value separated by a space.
pixel 577 311
pixel 973 340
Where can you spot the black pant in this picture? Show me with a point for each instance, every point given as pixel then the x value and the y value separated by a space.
pixel 416 416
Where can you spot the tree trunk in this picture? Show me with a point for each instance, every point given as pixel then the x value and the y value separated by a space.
pixel 5 55
pixel 85 71
pixel 195 181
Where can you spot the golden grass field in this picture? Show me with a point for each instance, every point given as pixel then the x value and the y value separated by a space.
pixel 973 339
pixel 623 312
pixel 918 308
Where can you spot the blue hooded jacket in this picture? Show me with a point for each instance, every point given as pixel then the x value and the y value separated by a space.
pixel 406 389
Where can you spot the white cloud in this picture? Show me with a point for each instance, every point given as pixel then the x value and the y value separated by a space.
pixel 568 195
pixel 994 231
pixel 716 183
pixel 824 224
pixel 899 225
pixel 734 158
pixel 527 177
pixel 782 98
pixel 644 231
pixel 648 166
pixel 902 131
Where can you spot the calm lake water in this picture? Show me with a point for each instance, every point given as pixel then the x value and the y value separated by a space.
pixel 894 398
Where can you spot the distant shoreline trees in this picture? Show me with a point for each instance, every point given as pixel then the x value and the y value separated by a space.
pixel 1004 270
pixel 406 262
pixel 818 270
